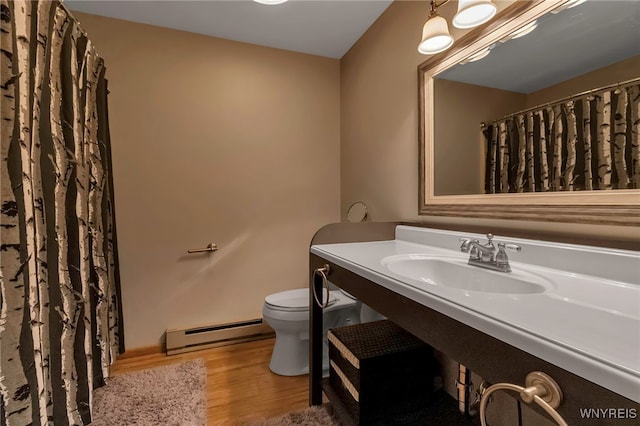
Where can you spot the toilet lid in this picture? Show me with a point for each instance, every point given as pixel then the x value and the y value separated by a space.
pixel 297 299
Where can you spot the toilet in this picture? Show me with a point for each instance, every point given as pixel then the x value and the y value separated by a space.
pixel 287 313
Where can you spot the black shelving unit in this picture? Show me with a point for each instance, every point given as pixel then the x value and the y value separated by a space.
pixel 441 410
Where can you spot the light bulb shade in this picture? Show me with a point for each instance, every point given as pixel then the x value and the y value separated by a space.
pixel 567 5
pixel 435 36
pixel 477 56
pixel 520 32
pixel 270 2
pixel 472 13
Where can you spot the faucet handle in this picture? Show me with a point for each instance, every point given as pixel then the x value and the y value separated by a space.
pixel 512 247
pixel 502 260
pixel 464 246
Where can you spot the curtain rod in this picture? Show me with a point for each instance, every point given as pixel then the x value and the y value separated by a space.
pixel 568 98
pixel 69 12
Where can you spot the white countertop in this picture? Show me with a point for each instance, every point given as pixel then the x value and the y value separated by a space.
pixel 587 322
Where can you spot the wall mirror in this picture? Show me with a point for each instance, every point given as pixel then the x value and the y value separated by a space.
pixel 535 116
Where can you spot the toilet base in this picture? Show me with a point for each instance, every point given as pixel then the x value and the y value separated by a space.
pixel 290 358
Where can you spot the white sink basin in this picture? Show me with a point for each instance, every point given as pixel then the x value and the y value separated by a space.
pixel 452 272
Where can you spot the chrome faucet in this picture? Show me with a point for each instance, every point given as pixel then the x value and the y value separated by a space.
pixel 488 255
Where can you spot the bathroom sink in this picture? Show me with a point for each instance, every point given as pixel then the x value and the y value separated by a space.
pixel 573 306
pixel 452 272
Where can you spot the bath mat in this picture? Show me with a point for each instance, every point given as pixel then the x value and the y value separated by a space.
pixel 312 416
pixel 442 410
pixel 172 395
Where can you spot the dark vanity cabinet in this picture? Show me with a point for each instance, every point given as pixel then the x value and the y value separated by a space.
pixel 492 359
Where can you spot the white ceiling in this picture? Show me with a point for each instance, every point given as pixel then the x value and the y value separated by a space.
pixel 319 27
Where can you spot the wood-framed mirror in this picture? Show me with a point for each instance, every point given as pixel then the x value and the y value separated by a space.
pixel 471 111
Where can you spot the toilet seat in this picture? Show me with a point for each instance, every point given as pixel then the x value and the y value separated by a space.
pixel 346 294
pixel 295 300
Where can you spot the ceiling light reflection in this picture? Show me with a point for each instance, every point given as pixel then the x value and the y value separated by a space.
pixel 270 2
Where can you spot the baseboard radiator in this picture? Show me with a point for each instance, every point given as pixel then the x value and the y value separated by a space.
pixel 211 336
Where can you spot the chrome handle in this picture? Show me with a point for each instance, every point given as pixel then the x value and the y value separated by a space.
pixel 512 247
pixel 210 248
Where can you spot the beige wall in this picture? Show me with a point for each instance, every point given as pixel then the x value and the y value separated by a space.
pixel 461 147
pixel 217 141
pixel 379 130
pixel 611 74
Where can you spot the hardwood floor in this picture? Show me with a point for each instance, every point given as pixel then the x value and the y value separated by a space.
pixel 240 386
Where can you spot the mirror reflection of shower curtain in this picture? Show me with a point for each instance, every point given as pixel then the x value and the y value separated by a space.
pixel 60 323
pixel 583 143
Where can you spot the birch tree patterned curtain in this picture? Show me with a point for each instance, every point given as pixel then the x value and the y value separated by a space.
pixel 584 143
pixel 60 308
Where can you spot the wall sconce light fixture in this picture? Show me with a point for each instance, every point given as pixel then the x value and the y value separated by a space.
pixel 478 55
pixel 521 32
pixel 435 33
pixel 568 5
pixel 270 2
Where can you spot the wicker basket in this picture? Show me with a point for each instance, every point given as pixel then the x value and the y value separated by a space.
pixel 380 371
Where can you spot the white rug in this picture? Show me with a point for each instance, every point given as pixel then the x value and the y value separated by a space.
pixel 173 395
pixel 312 416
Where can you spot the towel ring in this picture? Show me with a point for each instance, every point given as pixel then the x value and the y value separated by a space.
pixel 541 389
pixel 323 272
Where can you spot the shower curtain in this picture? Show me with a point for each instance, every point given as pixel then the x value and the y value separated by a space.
pixel 60 319
pixel 580 144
